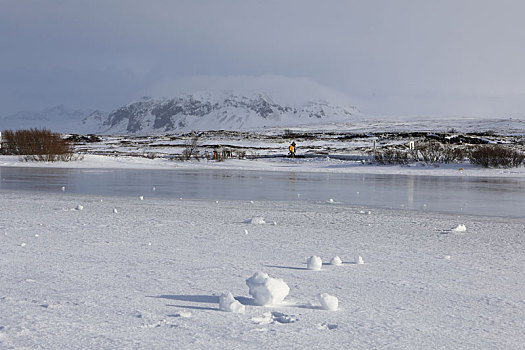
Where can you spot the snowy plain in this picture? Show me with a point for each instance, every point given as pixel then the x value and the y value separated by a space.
pixel 93 272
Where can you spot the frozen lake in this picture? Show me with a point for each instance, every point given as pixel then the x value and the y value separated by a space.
pixel 462 195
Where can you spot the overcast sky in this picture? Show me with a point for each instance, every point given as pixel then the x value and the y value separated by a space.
pixel 386 57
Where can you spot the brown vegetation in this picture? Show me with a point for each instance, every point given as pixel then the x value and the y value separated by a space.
pixel 37 145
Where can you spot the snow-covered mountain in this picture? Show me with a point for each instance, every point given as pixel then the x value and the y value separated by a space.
pixel 57 119
pixel 225 111
pixel 183 113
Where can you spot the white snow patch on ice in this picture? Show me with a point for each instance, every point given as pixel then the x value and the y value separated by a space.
pixel 336 260
pixel 459 228
pixel 183 314
pixel 257 220
pixel 328 302
pixel 359 260
pixel 314 263
pixel 267 290
pixel 229 304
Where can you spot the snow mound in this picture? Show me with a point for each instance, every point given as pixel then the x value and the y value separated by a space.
pixel 359 260
pixel 314 263
pixel 257 220
pixel 228 303
pixel 336 261
pixel 459 228
pixel 328 302
pixel 267 290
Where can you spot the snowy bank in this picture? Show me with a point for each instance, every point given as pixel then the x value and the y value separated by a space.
pixel 321 165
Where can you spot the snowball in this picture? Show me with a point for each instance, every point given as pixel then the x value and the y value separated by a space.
pixel 267 290
pixel 460 228
pixel 331 200
pixel 336 261
pixel 314 263
pixel 256 221
pixel 328 302
pixel 228 303
pixel 359 260
pixel 115 210
pixel 79 207
pixel 63 188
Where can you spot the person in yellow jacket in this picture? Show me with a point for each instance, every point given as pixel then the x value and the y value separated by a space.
pixel 292 149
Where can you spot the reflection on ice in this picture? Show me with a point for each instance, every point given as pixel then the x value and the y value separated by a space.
pixel 466 195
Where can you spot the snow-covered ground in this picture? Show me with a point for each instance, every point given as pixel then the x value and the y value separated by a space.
pixel 150 275
pixel 326 164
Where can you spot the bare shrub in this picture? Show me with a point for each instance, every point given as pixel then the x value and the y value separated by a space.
pixel 191 149
pixel 431 152
pixel 37 145
pixel 241 154
pixel 452 154
pixel 496 156
pixel 391 156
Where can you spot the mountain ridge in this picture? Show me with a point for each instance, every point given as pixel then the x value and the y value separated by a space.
pixel 183 113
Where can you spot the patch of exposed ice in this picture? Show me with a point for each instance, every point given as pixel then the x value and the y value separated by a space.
pixel 283 318
pixel 326 326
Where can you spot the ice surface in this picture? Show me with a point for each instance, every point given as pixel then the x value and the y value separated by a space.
pixel 267 290
pixel 93 281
